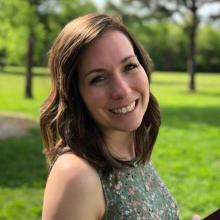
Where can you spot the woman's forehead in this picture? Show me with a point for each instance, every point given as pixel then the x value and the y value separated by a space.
pixel 109 49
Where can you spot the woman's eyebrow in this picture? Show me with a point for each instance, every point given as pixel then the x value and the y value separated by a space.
pixel 128 57
pixel 102 69
pixel 94 70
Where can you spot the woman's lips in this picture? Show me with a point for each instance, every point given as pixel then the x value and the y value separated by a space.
pixel 125 109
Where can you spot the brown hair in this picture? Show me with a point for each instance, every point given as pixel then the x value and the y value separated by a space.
pixel 64 118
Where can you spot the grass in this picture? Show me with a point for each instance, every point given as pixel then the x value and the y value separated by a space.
pixel 22 177
pixel 12 94
pixel 23 169
pixel 186 154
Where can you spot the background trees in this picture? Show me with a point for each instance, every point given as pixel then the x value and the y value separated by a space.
pixel 169 30
pixel 189 20
pixel 28 28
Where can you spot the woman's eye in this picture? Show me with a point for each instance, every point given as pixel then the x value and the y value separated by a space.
pixel 97 79
pixel 130 66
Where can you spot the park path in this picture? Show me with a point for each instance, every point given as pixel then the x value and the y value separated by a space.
pixel 12 125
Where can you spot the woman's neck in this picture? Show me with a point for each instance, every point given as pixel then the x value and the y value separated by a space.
pixel 121 144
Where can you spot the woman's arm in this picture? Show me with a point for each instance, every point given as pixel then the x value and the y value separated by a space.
pixel 73 191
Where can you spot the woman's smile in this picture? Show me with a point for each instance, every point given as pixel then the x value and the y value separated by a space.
pixel 124 109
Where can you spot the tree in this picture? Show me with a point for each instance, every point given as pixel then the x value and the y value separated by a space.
pixel 164 8
pixel 34 13
pixel 19 34
pixel 32 29
pixel 41 12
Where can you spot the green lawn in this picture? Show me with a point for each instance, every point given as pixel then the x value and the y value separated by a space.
pixel 22 177
pixel 187 153
pixel 12 94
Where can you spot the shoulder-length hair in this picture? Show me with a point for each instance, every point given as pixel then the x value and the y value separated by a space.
pixel 65 120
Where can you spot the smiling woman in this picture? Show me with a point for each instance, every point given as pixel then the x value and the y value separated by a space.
pixel 117 92
pixel 99 126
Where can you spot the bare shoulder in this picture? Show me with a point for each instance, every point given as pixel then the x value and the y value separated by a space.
pixel 73 191
pixel 74 168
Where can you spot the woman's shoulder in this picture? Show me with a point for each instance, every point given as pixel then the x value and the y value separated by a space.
pixel 74 171
pixel 73 167
pixel 73 180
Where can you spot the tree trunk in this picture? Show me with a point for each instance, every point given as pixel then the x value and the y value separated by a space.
pixel 29 65
pixel 192 49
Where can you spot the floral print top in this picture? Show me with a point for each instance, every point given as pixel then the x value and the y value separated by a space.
pixel 139 194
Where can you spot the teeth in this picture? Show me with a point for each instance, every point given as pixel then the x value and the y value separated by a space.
pixel 125 109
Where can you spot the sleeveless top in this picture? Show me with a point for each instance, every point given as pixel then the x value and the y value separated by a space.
pixel 139 194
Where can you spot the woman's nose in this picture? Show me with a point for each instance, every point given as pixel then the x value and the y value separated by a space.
pixel 120 88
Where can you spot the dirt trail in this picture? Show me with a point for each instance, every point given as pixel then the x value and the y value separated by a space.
pixel 12 125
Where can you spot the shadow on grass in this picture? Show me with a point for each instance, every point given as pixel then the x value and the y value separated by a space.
pixel 22 161
pixel 184 117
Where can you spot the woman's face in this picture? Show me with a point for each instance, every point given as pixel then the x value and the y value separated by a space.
pixel 113 84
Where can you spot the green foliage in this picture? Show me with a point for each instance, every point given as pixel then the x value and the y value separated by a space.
pixel 208 51
pixel 170 50
pixel 165 42
pixel 43 18
pixel 186 153
pixel 13 35
pixel 70 9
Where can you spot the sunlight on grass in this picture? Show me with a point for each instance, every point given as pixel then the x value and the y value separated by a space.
pixel 12 94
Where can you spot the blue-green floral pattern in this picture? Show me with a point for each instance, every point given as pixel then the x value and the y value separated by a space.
pixel 139 194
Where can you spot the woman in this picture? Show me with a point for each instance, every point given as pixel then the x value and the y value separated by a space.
pixel 99 126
